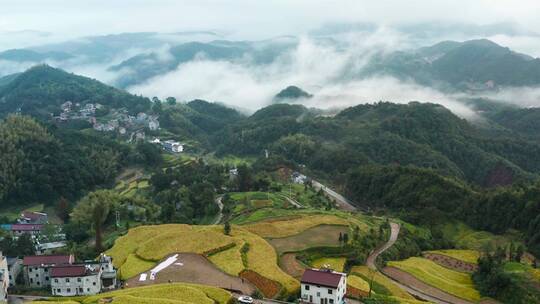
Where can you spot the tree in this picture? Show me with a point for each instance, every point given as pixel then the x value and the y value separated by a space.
pixel 227 228
pixel 93 210
pixel 171 101
pixel 340 239
pixel 345 238
pixel 62 209
pixel 519 253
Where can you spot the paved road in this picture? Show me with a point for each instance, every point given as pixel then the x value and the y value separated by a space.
pixel 394 232
pixel 292 202
pixel 342 202
pixel 220 205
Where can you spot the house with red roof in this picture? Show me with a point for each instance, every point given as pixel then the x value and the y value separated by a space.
pixel 37 268
pixel 20 229
pixel 323 286
pixel 32 217
pixel 76 280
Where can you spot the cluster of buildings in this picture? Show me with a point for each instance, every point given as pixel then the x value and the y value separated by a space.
pixel 46 269
pixel 120 121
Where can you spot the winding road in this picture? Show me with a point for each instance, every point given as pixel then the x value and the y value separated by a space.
pixel 394 232
pixel 220 206
pixel 341 201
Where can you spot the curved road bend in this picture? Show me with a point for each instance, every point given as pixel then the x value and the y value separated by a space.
pixel 394 232
pixel 343 203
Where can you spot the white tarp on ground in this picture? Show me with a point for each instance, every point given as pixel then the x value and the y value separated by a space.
pixel 142 278
pixel 168 262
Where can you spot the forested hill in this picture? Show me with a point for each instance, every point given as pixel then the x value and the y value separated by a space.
pixel 422 135
pixel 42 89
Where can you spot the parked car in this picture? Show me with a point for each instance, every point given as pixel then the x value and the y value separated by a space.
pixel 245 300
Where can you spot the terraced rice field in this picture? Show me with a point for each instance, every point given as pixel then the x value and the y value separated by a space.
pixel 453 282
pixel 174 293
pixel 469 256
pixel 336 264
pixel 382 284
pixel 133 251
pixel 288 227
pixel 323 235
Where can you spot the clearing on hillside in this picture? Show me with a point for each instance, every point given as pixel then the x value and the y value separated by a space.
pixel 337 264
pixel 318 236
pixel 194 268
pixel 141 245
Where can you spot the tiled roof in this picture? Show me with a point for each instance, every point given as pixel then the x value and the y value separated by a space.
pixel 325 278
pixel 26 227
pixel 68 271
pixel 47 260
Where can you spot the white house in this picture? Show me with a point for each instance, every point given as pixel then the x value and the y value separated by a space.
pixel 108 272
pixel 173 146
pixel 323 286
pixel 4 278
pixel 36 269
pixel 75 280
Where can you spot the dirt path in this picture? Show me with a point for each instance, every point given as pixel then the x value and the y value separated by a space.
pixel 220 206
pixel 290 265
pixel 194 268
pixel 394 232
pixel 421 289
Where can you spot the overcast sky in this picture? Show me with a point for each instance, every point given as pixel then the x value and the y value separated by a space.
pixel 249 19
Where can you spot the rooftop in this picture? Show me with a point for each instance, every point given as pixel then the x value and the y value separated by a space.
pixel 322 277
pixel 47 260
pixel 69 271
pixel 27 227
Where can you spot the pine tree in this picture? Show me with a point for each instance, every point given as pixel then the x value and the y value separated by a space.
pixel 227 228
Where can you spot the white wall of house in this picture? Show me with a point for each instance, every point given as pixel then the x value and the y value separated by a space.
pixel 37 276
pixel 4 279
pixel 73 286
pixel 14 270
pixel 324 295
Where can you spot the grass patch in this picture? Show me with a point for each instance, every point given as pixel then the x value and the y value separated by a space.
pixel 464 237
pixel 289 227
pixel 176 293
pixel 336 264
pixel 358 283
pixel 319 236
pixel 134 265
pixel 229 260
pixel 469 256
pixel 453 282
pixel 381 284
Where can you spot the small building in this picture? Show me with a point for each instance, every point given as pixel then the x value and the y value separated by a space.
pixel 173 146
pixel 298 178
pixel 75 280
pixel 108 272
pixel 323 286
pixel 66 106
pixel 36 269
pixel 20 229
pixel 4 278
pixel 49 248
pixel 153 124
pixel 31 217
pixel 14 270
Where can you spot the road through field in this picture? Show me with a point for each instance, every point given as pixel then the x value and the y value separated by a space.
pixel 394 232
pixel 342 202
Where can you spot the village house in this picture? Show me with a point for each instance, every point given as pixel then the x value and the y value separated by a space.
pixel 36 269
pixel 173 146
pixel 75 280
pixel 153 124
pixel 30 217
pixel 323 286
pixel 20 229
pixel 66 106
pixel 14 270
pixel 4 278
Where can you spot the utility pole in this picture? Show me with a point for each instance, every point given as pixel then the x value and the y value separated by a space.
pixel 117 218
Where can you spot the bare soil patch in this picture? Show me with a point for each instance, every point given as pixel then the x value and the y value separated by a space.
pixel 322 235
pixel 195 269
pixel 290 265
pixel 412 282
pixel 355 293
pixel 269 288
pixel 451 263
